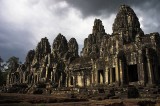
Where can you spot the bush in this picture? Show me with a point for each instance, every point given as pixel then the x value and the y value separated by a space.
pixel 110 93
pixel 133 92
pixel 38 91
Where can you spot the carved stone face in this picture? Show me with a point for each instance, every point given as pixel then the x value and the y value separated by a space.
pixel 127 22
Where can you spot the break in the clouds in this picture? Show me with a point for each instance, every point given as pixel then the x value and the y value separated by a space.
pixel 24 22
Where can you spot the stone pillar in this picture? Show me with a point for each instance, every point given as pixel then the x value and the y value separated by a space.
pixel 111 79
pixel 24 76
pixel 69 80
pixel 34 81
pixel 87 81
pixel 150 71
pixel 66 84
pixel 51 75
pixel 79 80
pixel 143 74
pixel 60 80
pixel 141 66
pixel 8 79
pixel 95 75
pixel 46 73
pixel 75 79
pixel 90 78
pixel 27 80
pixel 117 70
pixel 37 77
pixel 84 79
pixel 106 76
pixel 121 69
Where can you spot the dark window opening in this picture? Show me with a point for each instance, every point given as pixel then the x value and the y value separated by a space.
pixel 132 73
pixel 158 72
pixel 71 82
pixel 17 78
pixel 35 79
pixel 49 73
pixel 113 75
pixel 43 74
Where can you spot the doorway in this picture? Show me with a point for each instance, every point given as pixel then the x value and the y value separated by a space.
pixel 132 73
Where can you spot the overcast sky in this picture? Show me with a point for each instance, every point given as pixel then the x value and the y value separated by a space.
pixel 24 22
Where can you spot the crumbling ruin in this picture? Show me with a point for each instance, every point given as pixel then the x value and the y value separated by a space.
pixel 126 57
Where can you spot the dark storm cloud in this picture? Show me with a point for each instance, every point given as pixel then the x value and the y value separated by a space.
pixel 99 7
pixel 14 46
pixel 13 41
pixel 23 23
pixel 148 10
pixel 8 52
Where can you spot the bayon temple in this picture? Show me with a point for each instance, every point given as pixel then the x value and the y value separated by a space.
pixel 125 57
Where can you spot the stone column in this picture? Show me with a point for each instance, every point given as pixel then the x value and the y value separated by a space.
pixel 34 81
pixel 37 77
pixel 60 80
pixel 51 75
pixel 87 81
pixel 106 76
pixel 111 79
pixel 109 76
pixel 8 79
pixel 69 80
pixel 75 79
pixel 141 68
pixel 150 71
pixel 79 80
pixel 46 73
pixel 95 75
pixel 54 70
pixel 66 84
pixel 24 76
pixel 84 79
pixel 117 70
pixel 121 67
pixel 91 78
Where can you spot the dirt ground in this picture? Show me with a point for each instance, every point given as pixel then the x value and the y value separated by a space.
pixel 12 99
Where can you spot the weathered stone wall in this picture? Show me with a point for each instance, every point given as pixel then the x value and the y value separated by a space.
pixel 126 57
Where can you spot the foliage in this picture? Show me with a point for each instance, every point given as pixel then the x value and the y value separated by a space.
pixel 3 74
pixel 12 63
pixel 4 78
pixel 1 65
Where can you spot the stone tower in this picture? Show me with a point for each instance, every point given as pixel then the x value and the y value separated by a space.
pixel 127 24
pixel 92 43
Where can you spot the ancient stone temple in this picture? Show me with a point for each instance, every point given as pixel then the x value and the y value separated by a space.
pixel 126 57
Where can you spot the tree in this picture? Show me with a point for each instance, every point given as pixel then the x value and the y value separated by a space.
pixel 12 63
pixel 2 77
pixel 1 64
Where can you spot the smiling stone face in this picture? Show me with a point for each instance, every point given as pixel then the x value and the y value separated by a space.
pixel 126 22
